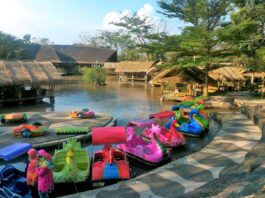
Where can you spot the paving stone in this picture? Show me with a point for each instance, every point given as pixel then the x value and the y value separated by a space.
pixel 217 168
pixel 192 173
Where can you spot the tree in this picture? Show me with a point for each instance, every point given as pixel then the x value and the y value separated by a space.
pixel 246 33
pixel 136 26
pixel 41 41
pixel 118 40
pixel 199 43
pixel 11 47
pixel 27 38
pixel 144 32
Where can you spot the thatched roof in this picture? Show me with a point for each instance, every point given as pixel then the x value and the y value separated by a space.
pixel 74 54
pixel 18 72
pixel 180 75
pixel 228 74
pixel 255 74
pixel 134 67
pixel 110 65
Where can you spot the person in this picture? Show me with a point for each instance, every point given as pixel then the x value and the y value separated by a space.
pixel 31 171
pixel 31 174
pixel 189 87
pixel 176 89
pixel 44 173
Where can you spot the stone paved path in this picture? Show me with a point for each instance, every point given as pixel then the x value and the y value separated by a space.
pixel 236 138
pixel 51 120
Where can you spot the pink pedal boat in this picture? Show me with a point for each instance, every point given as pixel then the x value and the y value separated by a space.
pixel 152 153
pixel 169 138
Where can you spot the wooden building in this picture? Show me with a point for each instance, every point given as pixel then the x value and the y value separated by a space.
pixel 69 58
pixel 135 70
pixel 27 81
pixel 230 77
pixel 177 82
pixel 110 67
pixel 256 80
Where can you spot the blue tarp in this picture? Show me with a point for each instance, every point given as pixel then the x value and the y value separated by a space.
pixel 14 150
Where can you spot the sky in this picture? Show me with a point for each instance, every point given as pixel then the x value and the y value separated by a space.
pixel 63 21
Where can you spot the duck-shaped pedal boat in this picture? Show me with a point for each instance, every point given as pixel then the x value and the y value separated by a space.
pixel 71 164
pixel 151 153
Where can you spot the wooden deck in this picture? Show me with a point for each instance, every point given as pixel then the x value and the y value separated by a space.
pixel 21 100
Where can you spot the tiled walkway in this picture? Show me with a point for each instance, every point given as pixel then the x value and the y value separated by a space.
pixel 236 138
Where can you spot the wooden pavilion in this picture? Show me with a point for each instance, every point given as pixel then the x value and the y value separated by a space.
pixel 27 81
pixel 256 79
pixel 135 70
pixel 177 82
pixel 230 77
pixel 110 67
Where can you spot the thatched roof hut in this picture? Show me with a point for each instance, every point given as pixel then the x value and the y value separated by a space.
pixel 67 54
pixel 180 75
pixel 110 65
pixel 254 74
pixel 135 70
pixel 134 67
pixel 18 72
pixel 228 75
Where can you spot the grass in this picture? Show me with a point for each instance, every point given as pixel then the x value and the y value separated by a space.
pixel 94 76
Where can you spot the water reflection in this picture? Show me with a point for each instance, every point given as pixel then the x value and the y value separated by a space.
pixel 123 101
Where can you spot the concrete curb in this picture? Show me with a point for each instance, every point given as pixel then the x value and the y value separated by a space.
pixel 183 177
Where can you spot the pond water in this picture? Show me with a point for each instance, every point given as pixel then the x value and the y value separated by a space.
pixel 125 102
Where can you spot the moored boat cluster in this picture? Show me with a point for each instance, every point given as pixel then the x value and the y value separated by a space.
pixel 148 140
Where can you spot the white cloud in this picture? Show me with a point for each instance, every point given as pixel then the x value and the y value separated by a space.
pixel 147 11
pixel 114 17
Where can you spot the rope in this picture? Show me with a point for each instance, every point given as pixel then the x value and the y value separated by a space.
pixel 75 187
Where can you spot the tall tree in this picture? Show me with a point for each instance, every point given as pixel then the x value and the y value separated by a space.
pixel 246 33
pixel 136 26
pixel 199 43
pixel 11 47
pixel 27 38
pixel 145 31
pixel 118 40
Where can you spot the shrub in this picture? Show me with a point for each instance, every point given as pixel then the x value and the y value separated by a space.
pixel 94 75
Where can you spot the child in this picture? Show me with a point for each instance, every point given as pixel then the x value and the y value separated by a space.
pixel 31 171
pixel 44 173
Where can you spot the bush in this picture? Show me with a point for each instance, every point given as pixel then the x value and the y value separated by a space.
pixel 94 75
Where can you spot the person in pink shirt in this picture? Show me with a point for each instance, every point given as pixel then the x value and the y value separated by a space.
pixel 44 173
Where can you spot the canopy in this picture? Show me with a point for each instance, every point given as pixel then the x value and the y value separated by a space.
pixel 162 115
pixel 141 123
pixel 108 135
pixel 14 150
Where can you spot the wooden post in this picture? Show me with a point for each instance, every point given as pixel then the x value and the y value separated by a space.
pixel 252 79
pixel 262 89
pixel 132 77
pixel 19 92
pixel 52 100
pixel 145 78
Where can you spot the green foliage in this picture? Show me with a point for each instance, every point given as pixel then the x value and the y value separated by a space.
pixel 246 33
pixel 123 43
pixel 198 45
pixel 94 76
pixel 136 26
pixel 11 47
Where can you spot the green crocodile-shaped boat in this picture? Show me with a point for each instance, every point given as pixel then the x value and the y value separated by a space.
pixel 71 163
